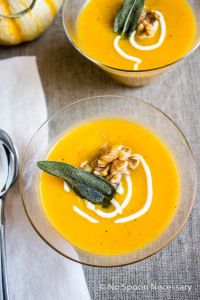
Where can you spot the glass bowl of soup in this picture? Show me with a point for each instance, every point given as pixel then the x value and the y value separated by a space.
pixel 134 61
pixel 152 198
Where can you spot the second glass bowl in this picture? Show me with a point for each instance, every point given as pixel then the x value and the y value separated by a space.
pixel 71 10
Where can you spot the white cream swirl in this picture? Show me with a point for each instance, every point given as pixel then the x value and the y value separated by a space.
pixel 84 215
pixel 148 202
pixel 119 208
pixel 124 54
pixel 137 46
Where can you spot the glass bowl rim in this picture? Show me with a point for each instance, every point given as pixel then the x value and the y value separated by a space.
pixel 144 102
pixel 118 69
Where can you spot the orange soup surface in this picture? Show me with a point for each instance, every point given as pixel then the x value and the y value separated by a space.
pixel 106 237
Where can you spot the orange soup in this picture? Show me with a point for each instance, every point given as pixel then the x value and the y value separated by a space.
pixel 95 35
pixel 109 236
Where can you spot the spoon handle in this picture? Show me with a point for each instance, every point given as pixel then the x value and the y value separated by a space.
pixel 3 275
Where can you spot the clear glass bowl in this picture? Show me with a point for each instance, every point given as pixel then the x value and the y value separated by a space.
pixel 100 107
pixel 71 10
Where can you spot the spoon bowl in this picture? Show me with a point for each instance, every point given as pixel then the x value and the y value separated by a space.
pixel 9 158
pixel 4 137
pixel 4 168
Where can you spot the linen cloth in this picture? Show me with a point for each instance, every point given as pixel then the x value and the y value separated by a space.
pixel 35 272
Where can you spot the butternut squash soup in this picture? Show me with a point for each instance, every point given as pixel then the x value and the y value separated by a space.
pixel 115 187
pixel 137 34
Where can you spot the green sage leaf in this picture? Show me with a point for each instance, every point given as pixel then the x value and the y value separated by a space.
pixel 86 185
pixel 128 17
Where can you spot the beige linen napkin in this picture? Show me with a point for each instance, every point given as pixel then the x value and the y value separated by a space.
pixel 35 272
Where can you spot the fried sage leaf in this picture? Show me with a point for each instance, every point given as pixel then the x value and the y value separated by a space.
pixel 128 17
pixel 86 185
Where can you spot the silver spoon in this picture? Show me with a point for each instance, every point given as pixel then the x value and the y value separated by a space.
pixel 9 165
pixel 9 174
pixel 7 140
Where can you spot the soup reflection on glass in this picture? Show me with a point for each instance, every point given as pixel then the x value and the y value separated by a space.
pixel 166 32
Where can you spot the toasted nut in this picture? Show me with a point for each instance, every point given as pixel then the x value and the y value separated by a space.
pixel 103 149
pixel 102 171
pixel 94 163
pixel 118 166
pixel 98 170
pixel 148 24
pixel 154 14
pixel 115 179
pixel 84 163
pixel 140 27
pixel 113 168
pixel 124 153
pixel 133 163
pixel 112 162
pixel 108 157
pixel 101 163
pixel 105 171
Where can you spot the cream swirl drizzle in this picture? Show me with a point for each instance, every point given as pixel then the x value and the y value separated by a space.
pixel 120 207
pixel 147 205
pixel 133 42
pixel 124 54
pixel 84 215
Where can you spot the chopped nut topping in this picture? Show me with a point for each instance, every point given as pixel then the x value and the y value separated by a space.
pixel 118 166
pixel 109 156
pixel 148 24
pixel 115 179
pixel 132 163
pixel 102 171
pixel 124 153
pixel 112 163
